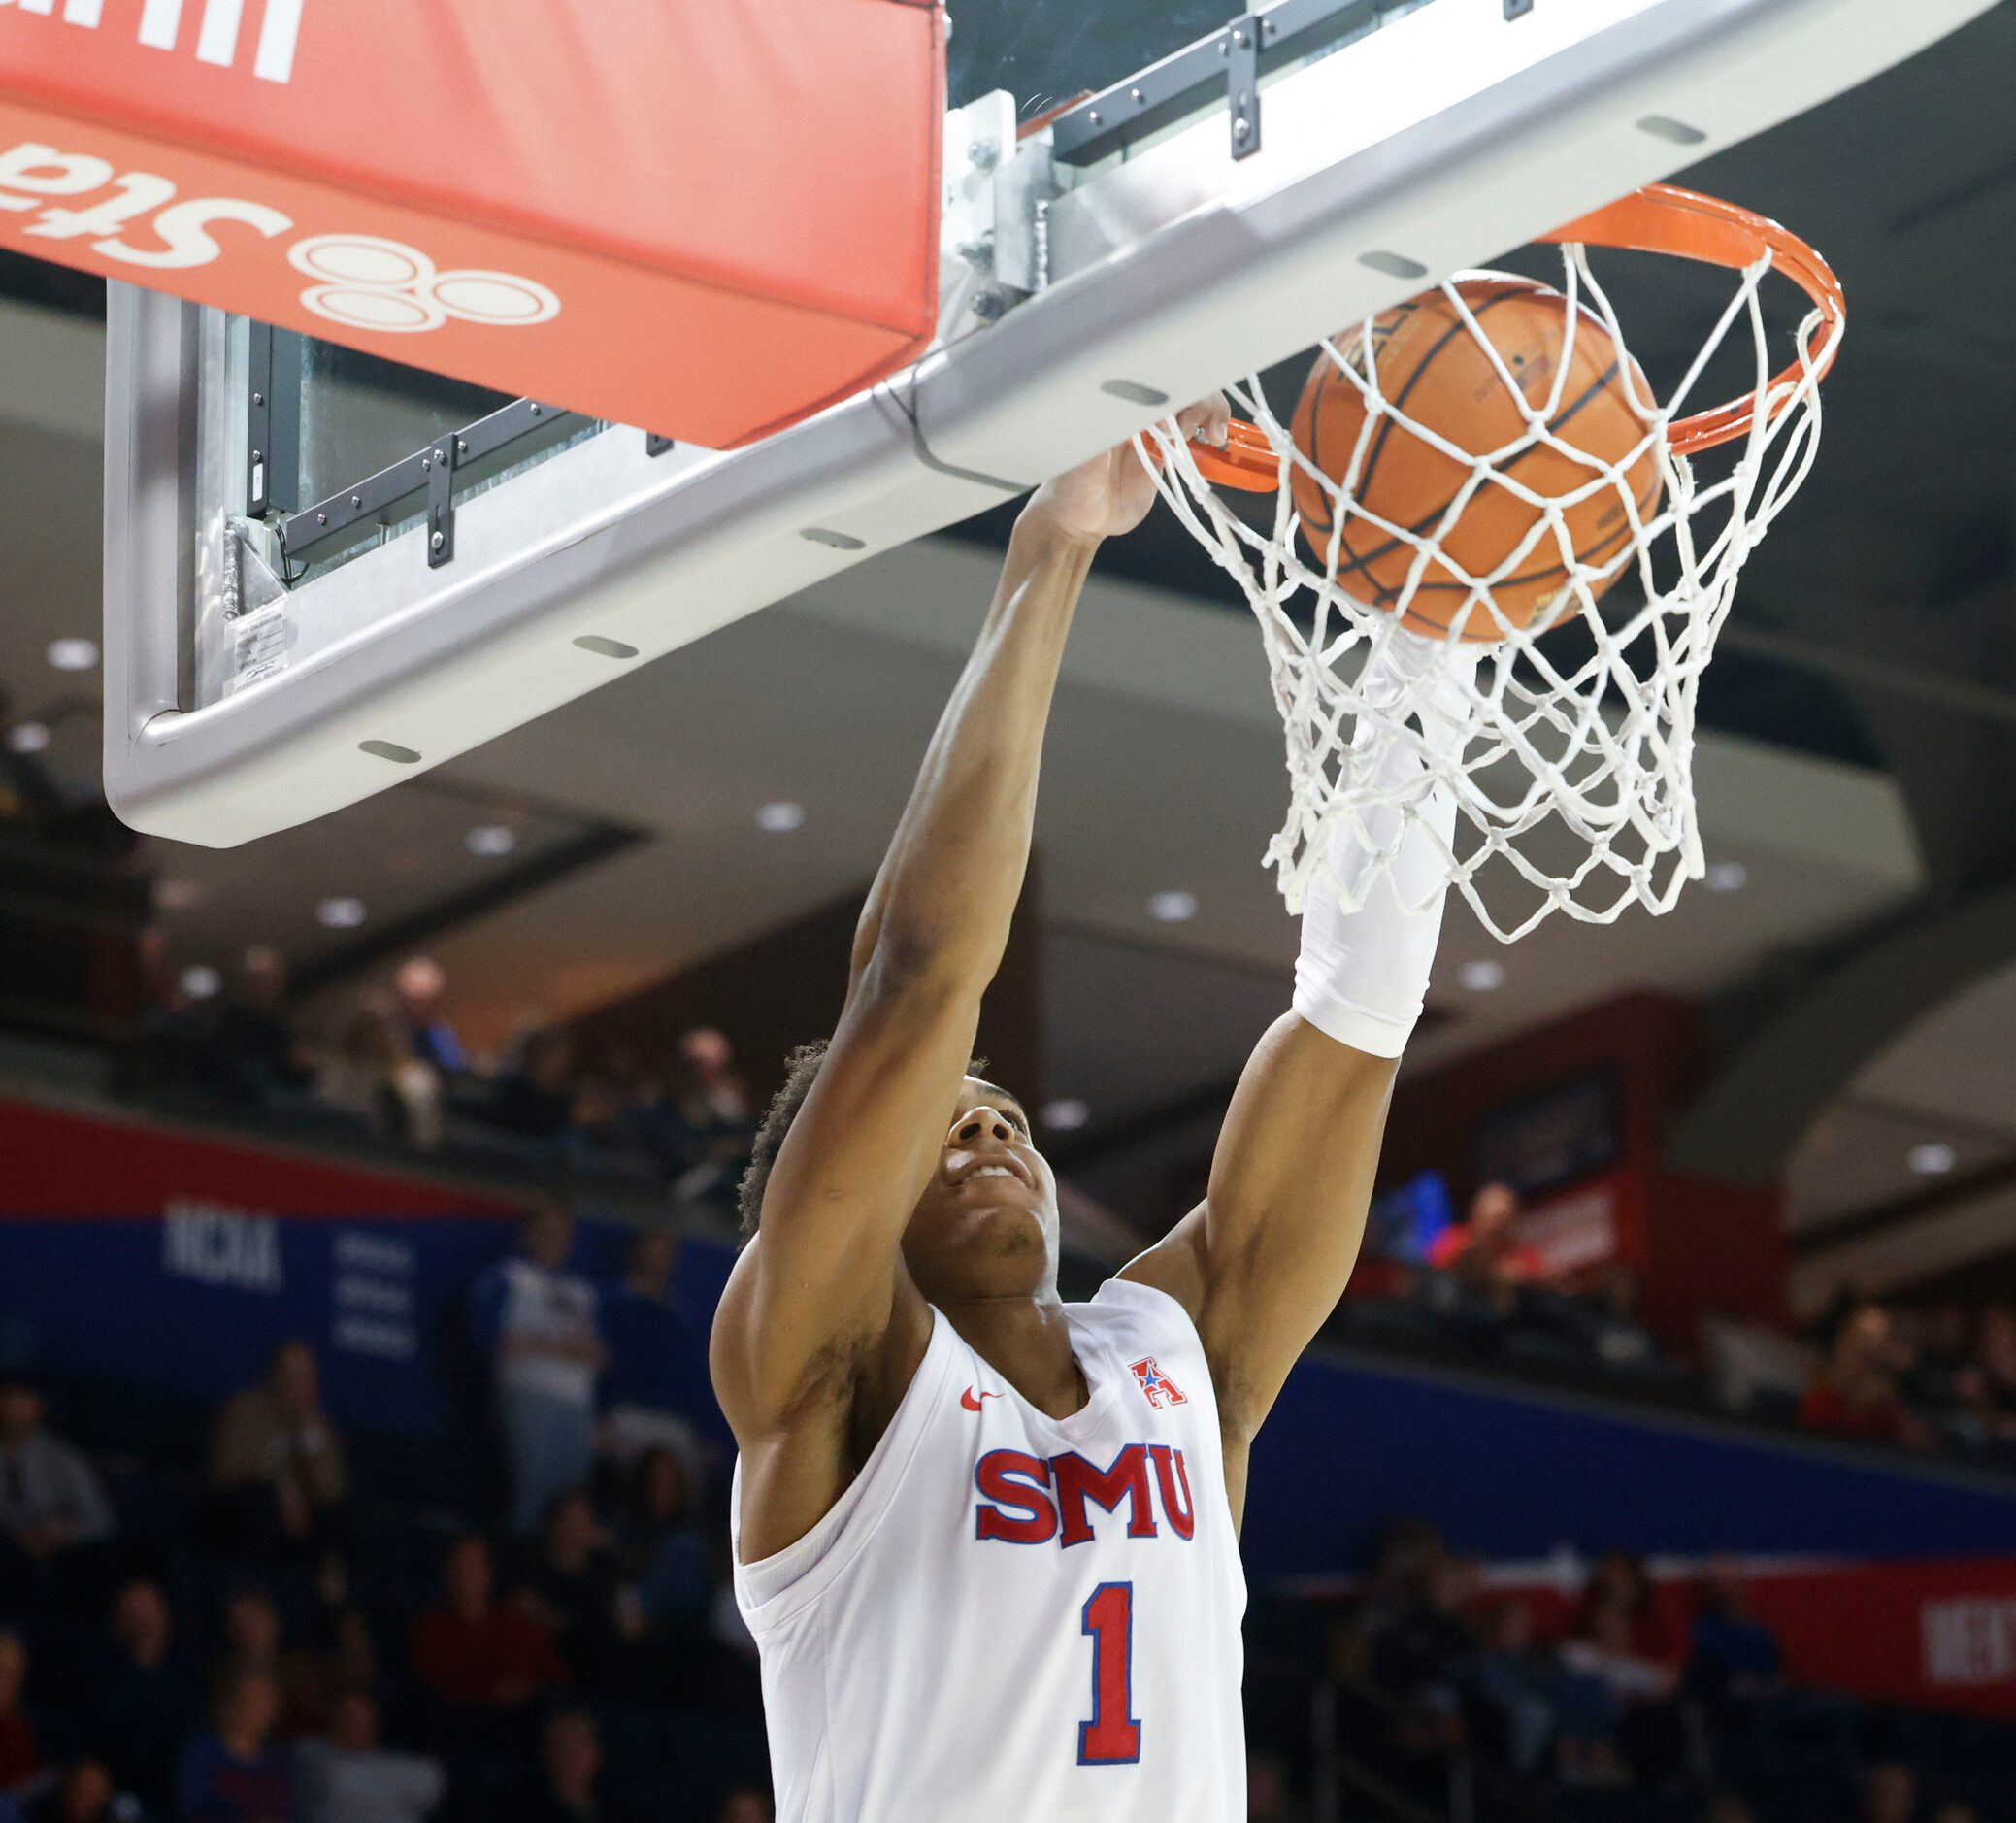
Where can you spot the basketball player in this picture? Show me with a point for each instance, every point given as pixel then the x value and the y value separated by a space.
pixel 986 1540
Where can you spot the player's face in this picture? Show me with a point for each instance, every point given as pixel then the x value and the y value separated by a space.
pixel 986 1225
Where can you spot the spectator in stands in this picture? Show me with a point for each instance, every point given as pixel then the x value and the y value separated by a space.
pixel 276 1464
pixel 573 1587
pixel 1486 1248
pixel 1990 1386
pixel 540 1325
pixel 1945 1356
pixel 1619 1641
pixel 1890 1794
pixel 19 1761
pixel 571 1771
pixel 535 1096
pixel 341 1662
pixel 1518 1688
pixel 141 1707
pixel 84 1792
pixel 352 1777
pixel 238 1773
pixel 1428 1647
pixel 371 1071
pixel 663 1553
pixel 253 1051
pixel 474 1653
pixel 53 1506
pixel 711 1104
pixel 1269 1798
pixel 1732 1659
pixel 1725 1806
pixel 655 1371
pixel 420 985
pixel 1855 1392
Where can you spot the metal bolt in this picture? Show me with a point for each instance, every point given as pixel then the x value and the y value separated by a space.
pixel 321 518
pixel 1135 94
pixel 536 410
pixel 258 455
pixel 1238 38
pixel 978 255
pixel 426 464
pixel 984 153
pixel 438 541
pixel 1242 129
pixel 1093 116
pixel 357 500
pixel 989 305
pixel 259 398
pixel 461 445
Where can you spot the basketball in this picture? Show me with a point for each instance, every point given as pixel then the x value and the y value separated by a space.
pixel 1438 375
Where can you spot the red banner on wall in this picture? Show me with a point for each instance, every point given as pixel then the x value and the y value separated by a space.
pixel 54 1163
pixel 707 220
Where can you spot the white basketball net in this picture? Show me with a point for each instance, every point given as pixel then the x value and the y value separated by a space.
pixel 1576 772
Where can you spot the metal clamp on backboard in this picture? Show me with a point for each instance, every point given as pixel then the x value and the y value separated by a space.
pixel 432 469
pixel 1232 59
pixel 1243 84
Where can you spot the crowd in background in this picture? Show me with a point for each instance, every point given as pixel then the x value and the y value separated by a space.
pixel 390 1064
pixel 1613 1704
pixel 1937 1381
pixel 256 1638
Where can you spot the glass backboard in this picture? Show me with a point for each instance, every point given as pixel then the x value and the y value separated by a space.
pixel 327 574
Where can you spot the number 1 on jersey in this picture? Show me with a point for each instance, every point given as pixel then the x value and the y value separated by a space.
pixel 1112 1737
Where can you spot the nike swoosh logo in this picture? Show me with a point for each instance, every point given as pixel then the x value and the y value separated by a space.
pixel 972 1402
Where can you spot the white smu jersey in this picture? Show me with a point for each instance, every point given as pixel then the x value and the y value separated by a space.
pixel 1009 1616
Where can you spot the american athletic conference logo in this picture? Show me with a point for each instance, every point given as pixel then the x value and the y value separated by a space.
pixel 218 33
pixel 1156 1386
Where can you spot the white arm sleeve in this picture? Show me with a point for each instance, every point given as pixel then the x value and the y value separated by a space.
pixel 1363 975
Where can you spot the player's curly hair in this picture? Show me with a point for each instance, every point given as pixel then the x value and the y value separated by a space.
pixel 801 1072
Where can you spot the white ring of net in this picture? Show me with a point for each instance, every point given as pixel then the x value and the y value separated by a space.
pixel 1588 737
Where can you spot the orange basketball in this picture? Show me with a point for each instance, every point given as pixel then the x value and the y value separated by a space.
pixel 1432 368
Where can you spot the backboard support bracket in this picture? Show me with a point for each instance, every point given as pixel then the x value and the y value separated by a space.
pixel 1243 83
pixel 430 470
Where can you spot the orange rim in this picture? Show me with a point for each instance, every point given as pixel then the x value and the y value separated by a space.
pixel 1659 218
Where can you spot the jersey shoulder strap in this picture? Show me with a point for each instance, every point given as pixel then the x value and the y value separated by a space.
pixel 776 1588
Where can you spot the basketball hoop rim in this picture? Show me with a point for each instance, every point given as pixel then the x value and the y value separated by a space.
pixel 1659 218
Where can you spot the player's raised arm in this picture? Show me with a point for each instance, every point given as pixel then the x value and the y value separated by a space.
pixel 819 1301
pixel 1262 1261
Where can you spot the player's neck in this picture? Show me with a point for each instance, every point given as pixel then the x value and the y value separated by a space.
pixel 1027 1341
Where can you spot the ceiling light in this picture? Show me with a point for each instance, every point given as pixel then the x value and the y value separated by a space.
pixel 492 838
pixel 341 915
pixel 1933 1159
pixel 72 654
pixel 1066 1115
pixel 1726 877
pixel 200 983
pixel 28 737
pixel 781 817
pixel 1481 978
pixel 1172 907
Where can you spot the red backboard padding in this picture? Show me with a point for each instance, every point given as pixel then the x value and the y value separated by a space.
pixel 708 218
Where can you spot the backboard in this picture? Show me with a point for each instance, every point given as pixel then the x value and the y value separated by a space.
pixel 325 574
